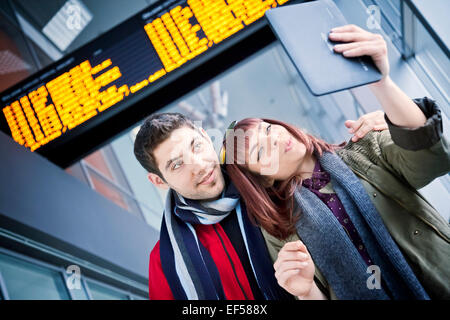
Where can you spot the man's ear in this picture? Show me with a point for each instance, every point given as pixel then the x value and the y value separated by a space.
pixel 157 181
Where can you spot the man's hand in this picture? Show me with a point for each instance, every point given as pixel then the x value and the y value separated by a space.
pixel 294 269
pixel 362 43
pixel 366 123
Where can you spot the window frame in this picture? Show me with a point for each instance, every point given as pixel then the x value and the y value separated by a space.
pixel 3 290
pixel 68 260
pixel 42 264
pixel 424 21
pixel 63 277
pixel 410 17
pixel 105 285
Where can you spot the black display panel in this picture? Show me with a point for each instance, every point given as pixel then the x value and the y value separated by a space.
pixel 55 111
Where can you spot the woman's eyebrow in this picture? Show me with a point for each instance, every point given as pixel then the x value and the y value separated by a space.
pixel 193 141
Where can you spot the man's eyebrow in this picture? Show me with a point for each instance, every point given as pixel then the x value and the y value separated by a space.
pixel 180 156
pixel 256 144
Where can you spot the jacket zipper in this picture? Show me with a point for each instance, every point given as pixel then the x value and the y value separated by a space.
pixel 231 262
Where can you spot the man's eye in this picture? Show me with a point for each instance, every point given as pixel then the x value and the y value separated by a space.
pixel 177 164
pixel 268 128
pixel 259 153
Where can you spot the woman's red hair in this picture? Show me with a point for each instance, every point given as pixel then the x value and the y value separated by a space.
pixel 270 207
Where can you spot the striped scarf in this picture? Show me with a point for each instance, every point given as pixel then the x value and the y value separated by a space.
pixel 187 264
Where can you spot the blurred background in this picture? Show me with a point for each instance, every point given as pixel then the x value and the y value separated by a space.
pixel 78 218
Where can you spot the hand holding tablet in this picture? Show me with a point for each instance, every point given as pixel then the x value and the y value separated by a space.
pixel 304 32
pixel 360 43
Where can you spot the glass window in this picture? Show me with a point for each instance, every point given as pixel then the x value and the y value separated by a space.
pixel 434 62
pixel 389 14
pixel 79 293
pixel 133 297
pixel 114 193
pixel 391 11
pixel 108 190
pixel 103 173
pixel 76 170
pixel 28 281
pixel 16 61
pixel 103 15
pixel 436 15
pixel 98 161
pixel 99 292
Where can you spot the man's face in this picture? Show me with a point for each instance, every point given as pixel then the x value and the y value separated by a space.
pixel 189 165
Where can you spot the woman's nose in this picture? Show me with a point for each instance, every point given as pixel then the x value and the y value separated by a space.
pixel 275 138
pixel 272 141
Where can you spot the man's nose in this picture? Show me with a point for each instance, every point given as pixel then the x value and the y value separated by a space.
pixel 199 164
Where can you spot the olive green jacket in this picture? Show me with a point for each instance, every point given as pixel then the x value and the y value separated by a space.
pixel 391 176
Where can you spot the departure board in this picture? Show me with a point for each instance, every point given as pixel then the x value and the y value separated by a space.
pixel 131 58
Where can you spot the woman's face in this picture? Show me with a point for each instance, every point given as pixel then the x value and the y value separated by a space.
pixel 273 151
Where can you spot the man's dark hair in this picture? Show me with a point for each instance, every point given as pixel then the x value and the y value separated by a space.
pixel 155 130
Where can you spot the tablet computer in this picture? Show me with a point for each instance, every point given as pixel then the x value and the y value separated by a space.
pixel 303 32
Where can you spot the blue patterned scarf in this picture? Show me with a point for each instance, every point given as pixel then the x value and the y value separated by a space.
pixel 188 266
pixel 334 253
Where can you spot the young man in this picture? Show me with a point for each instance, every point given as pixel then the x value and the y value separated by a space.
pixel 208 248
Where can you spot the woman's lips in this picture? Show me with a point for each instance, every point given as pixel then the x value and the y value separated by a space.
pixel 288 145
pixel 209 178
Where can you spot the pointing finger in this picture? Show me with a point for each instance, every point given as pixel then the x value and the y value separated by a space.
pixel 347 28
pixel 293 246
pixel 349 123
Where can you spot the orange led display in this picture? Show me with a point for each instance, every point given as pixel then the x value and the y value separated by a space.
pixel 76 98
pixel 177 35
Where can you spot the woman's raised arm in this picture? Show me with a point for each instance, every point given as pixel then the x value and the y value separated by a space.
pixel 400 109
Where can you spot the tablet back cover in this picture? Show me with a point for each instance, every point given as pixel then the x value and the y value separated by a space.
pixel 303 32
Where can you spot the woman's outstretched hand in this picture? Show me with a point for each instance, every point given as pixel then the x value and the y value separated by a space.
pixel 373 121
pixel 360 43
pixel 400 109
pixel 294 270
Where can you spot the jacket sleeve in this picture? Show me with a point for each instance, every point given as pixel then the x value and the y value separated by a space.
pixel 422 137
pixel 158 287
pixel 418 155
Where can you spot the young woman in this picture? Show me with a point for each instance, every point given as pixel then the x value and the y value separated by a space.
pixel 356 207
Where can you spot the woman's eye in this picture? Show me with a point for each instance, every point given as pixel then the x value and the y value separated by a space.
pixel 259 154
pixel 268 128
pixel 197 146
